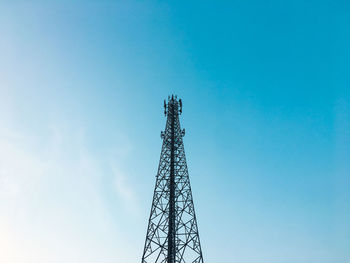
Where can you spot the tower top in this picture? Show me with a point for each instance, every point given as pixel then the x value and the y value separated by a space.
pixel 173 103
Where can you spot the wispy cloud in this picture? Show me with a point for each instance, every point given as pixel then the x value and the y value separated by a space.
pixel 52 203
pixel 124 189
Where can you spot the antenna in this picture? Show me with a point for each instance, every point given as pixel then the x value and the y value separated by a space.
pixel 180 101
pixel 164 108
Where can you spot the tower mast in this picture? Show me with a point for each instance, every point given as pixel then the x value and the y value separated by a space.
pixel 172 233
pixel 171 236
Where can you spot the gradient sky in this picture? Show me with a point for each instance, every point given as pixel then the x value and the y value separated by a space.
pixel 266 92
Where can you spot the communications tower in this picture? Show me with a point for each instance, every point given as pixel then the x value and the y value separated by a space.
pixel 172 233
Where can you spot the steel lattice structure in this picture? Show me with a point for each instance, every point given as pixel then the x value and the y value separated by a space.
pixel 172 234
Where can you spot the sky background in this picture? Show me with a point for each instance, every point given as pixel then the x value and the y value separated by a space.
pixel 266 93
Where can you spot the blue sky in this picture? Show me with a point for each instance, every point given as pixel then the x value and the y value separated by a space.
pixel 266 95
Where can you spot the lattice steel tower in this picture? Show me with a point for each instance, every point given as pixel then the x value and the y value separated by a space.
pixel 172 234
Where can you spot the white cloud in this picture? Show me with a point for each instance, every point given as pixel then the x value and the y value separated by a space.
pixel 52 203
pixel 124 190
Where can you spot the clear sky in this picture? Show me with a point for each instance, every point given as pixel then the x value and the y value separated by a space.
pixel 266 92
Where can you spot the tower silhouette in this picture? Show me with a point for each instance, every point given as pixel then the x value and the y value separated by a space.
pixel 172 233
